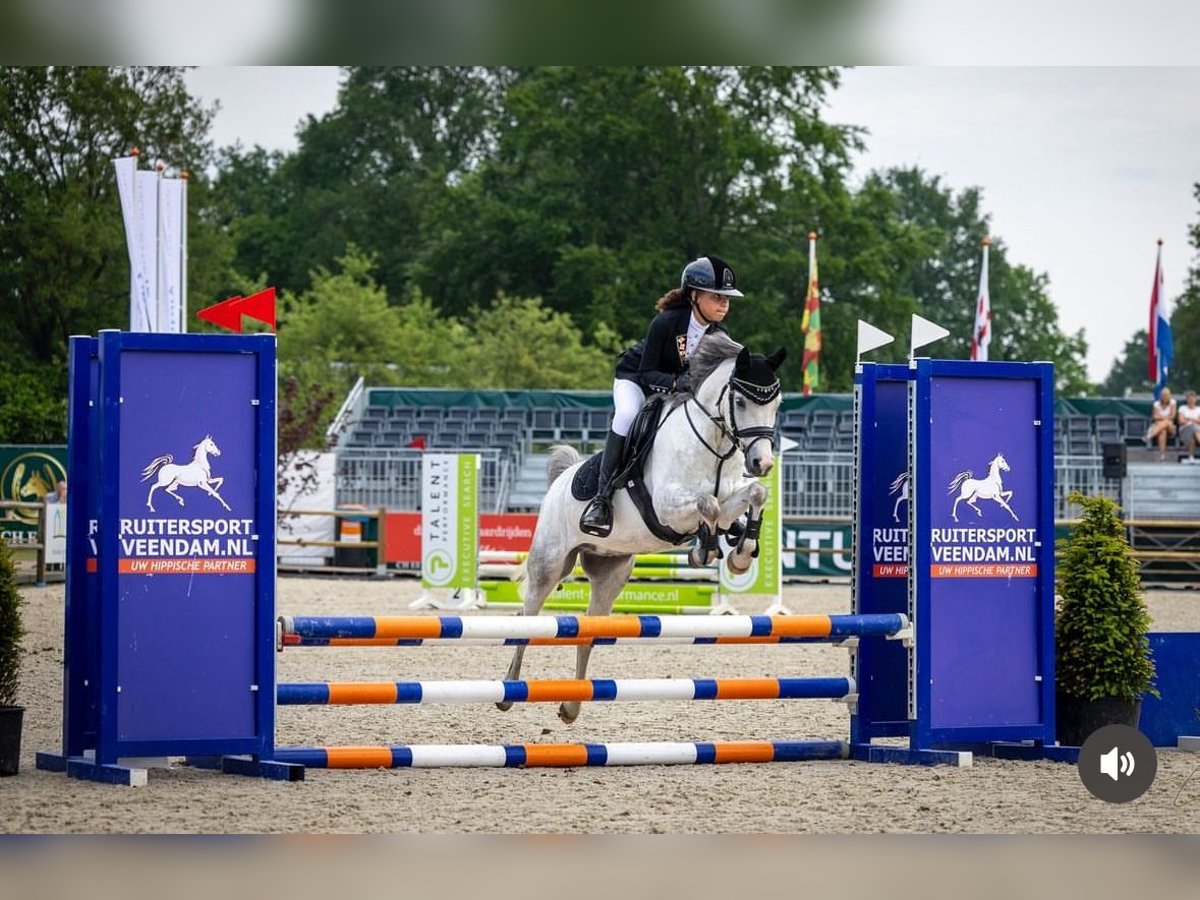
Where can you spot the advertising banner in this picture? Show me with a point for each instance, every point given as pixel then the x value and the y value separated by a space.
pixel 186 542
pixel 449 513
pixel 883 510
pixel 765 575
pixel 982 547
pixel 28 472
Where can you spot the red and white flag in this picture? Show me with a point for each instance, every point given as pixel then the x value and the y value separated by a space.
pixel 981 336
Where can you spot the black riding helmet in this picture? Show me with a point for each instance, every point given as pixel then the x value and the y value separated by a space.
pixel 710 273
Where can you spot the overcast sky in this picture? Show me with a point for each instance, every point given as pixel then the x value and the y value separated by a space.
pixel 1081 169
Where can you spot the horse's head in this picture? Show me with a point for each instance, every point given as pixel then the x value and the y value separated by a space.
pixel 1001 463
pixel 208 445
pixel 754 398
pixel 740 391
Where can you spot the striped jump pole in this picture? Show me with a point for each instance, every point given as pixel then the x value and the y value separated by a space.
pixel 642 559
pixel 295 640
pixel 817 627
pixel 565 691
pixel 672 573
pixel 561 755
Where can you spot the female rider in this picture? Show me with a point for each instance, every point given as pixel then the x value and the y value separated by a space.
pixel 659 363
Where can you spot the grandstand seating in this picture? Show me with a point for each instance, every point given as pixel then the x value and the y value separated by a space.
pixel 521 428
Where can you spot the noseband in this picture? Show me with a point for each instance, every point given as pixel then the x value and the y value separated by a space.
pixel 758 394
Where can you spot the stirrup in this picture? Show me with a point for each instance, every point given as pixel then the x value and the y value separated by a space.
pixel 597 529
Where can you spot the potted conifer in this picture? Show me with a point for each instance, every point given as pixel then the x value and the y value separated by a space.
pixel 1102 652
pixel 10 664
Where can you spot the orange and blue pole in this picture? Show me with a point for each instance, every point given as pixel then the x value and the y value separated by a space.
pixel 530 628
pixel 564 691
pixel 560 755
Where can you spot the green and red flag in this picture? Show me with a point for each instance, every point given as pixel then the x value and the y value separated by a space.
pixel 810 325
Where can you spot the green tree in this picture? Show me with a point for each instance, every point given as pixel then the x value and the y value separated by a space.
pixel 1130 372
pixel 341 329
pixel 63 264
pixel 941 232
pixel 372 172
pixel 519 343
pixel 605 181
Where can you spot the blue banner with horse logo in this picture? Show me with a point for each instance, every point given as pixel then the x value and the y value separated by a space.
pixel 982 548
pixel 186 535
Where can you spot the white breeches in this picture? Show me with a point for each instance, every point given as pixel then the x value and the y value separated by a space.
pixel 628 399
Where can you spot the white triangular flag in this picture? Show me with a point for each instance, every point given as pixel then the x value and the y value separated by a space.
pixel 871 338
pixel 924 332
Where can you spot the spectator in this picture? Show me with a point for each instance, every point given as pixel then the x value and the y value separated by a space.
pixel 1189 426
pixel 59 494
pixel 1162 422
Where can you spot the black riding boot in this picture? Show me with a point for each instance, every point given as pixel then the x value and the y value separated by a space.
pixel 597 518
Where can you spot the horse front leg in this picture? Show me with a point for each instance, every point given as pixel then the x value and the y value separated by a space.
pixel 543 570
pixel 1000 499
pixel 707 550
pixel 752 497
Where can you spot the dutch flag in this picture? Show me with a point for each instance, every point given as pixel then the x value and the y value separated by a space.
pixel 1162 351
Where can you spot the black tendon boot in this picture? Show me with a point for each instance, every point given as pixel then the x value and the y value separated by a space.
pixel 597 518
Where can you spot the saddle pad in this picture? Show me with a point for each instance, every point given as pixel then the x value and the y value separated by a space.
pixel 586 483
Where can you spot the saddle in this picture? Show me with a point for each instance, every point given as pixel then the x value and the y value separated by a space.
pixel 628 471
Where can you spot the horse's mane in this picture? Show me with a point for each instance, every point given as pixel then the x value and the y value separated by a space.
pixel 714 348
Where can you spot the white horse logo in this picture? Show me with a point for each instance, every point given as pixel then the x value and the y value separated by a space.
pixel 991 488
pixel 899 485
pixel 197 473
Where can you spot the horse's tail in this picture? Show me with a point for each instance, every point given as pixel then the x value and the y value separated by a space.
pixel 898 483
pixel 155 465
pixel 958 480
pixel 562 457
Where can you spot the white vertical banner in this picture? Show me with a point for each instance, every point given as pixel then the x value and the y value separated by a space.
pixel 145 197
pixel 170 254
pixel 449 528
pixel 981 335
pixel 141 314
pixel 183 253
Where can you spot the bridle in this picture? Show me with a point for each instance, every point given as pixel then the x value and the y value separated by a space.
pixel 739 438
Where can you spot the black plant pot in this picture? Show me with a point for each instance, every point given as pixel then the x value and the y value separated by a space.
pixel 10 738
pixel 1076 718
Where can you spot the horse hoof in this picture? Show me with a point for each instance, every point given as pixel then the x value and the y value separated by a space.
pixel 734 568
pixel 505 706
pixel 568 715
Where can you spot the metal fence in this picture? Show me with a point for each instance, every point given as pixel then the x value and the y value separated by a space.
pixel 815 485
pixel 381 477
pixel 821 485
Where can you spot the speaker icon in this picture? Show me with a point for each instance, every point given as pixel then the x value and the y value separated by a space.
pixel 1114 760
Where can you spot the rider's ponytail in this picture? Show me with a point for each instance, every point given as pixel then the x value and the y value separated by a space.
pixel 672 299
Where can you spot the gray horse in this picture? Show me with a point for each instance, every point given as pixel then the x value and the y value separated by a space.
pixel 702 474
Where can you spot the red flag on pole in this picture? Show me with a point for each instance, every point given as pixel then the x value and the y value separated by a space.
pixel 1162 348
